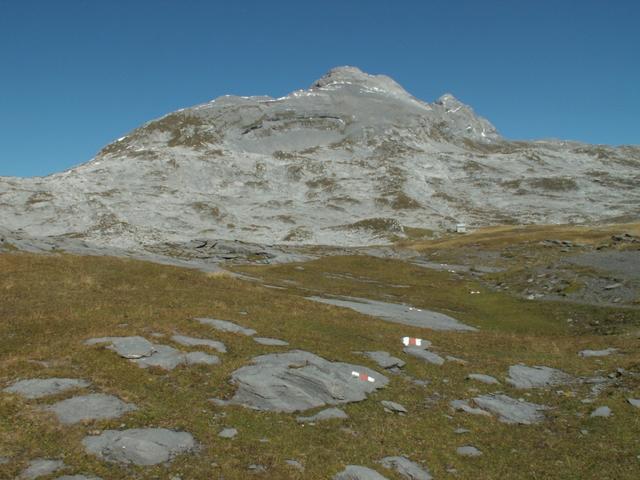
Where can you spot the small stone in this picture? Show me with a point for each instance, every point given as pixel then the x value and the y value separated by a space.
pixel 255 468
pixel 406 468
pixel 510 410
pixel 522 376
pixel 326 414
pixel 126 347
pixel 463 405
pixel 226 326
pixel 273 342
pixel 385 360
pixel 461 430
pixel 41 467
pixel 295 464
pixel 601 412
pixel 197 342
pixel 468 451
pixel 35 388
pixel 488 379
pixel 634 401
pixel 228 433
pixel 425 355
pixel 393 407
pixel 201 358
pixel 597 353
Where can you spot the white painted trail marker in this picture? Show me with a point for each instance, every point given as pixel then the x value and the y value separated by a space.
pixel 363 376
pixel 411 342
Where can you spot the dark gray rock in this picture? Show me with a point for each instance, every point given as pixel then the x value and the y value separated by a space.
pixel 140 446
pixel 198 342
pixel 299 380
pixel 385 360
pixel 41 467
pixel 393 407
pixel 228 433
pixel 127 347
pixel 273 342
pixel 425 355
pixel 326 414
pixel 522 376
pixel 34 388
pixel 397 313
pixel 510 410
pixel 95 406
pixel 356 472
pixel 468 451
pixel 480 377
pixel 226 326
pixel 406 468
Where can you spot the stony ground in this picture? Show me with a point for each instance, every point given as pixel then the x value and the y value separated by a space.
pixel 118 368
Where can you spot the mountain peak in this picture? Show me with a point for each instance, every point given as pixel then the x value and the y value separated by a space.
pixel 348 75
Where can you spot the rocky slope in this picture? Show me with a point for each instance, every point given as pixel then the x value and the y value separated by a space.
pixel 352 160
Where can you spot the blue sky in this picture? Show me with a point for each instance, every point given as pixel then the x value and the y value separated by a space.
pixel 74 75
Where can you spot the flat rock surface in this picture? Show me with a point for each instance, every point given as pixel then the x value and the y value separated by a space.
pixel 393 406
pixel 34 388
pixel 510 410
pixel 326 414
pixel 480 377
pixel 274 342
pixel 424 355
pixel 406 468
pixel 226 326
pixel 41 467
pixel 385 360
pixel 463 406
pixel 397 313
pixel 601 412
pixel 228 433
pixel 95 406
pixel 356 472
pixel 299 380
pixel 140 446
pixel 468 451
pixel 199 342
pixel 522 376
pixel 597 353
pixel 127 347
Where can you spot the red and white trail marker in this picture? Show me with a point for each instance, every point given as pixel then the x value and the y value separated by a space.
pixel 363 376
pixel 411 342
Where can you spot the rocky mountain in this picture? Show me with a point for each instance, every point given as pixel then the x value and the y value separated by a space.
pixel 352 160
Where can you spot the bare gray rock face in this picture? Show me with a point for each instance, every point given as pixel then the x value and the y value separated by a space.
pixel 140 446
pixel 299 380
pixel 41 467
pixel 468 451
pixel 425 355
pixel 406 468
pixel 397 313
pixel 385 360
pixel 199 342
pixel 35 388
pixel 126 347
pixel 522 376
pixel 226 326
pixel 357 472
pixel 146 354
pixel 95 406
pixel 480 377
pixel 394 407
pixel 273 342
pixel 510 410
pixel 326 414
pixel 597 353
pixel 228 433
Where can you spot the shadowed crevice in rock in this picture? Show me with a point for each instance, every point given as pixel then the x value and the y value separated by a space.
pixel 96 406
pixel 141 446
pixel 35 388
pixel 299 380
pixel 397 313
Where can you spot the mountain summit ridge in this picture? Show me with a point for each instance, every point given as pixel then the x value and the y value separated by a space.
pixel 351 160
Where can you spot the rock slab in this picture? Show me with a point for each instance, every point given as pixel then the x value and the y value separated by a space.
pixel 522 376
pixel 326 414
pixel 385 360
pixel 510 410
pixel 41 467
pixel 140 446
pixel 35 388
pixel 406 468
pixel 299 380
pixel 273 342
pixel 226 326
pixel 357 472
pixel 198 342
pixel 424 355
pixel 96 406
